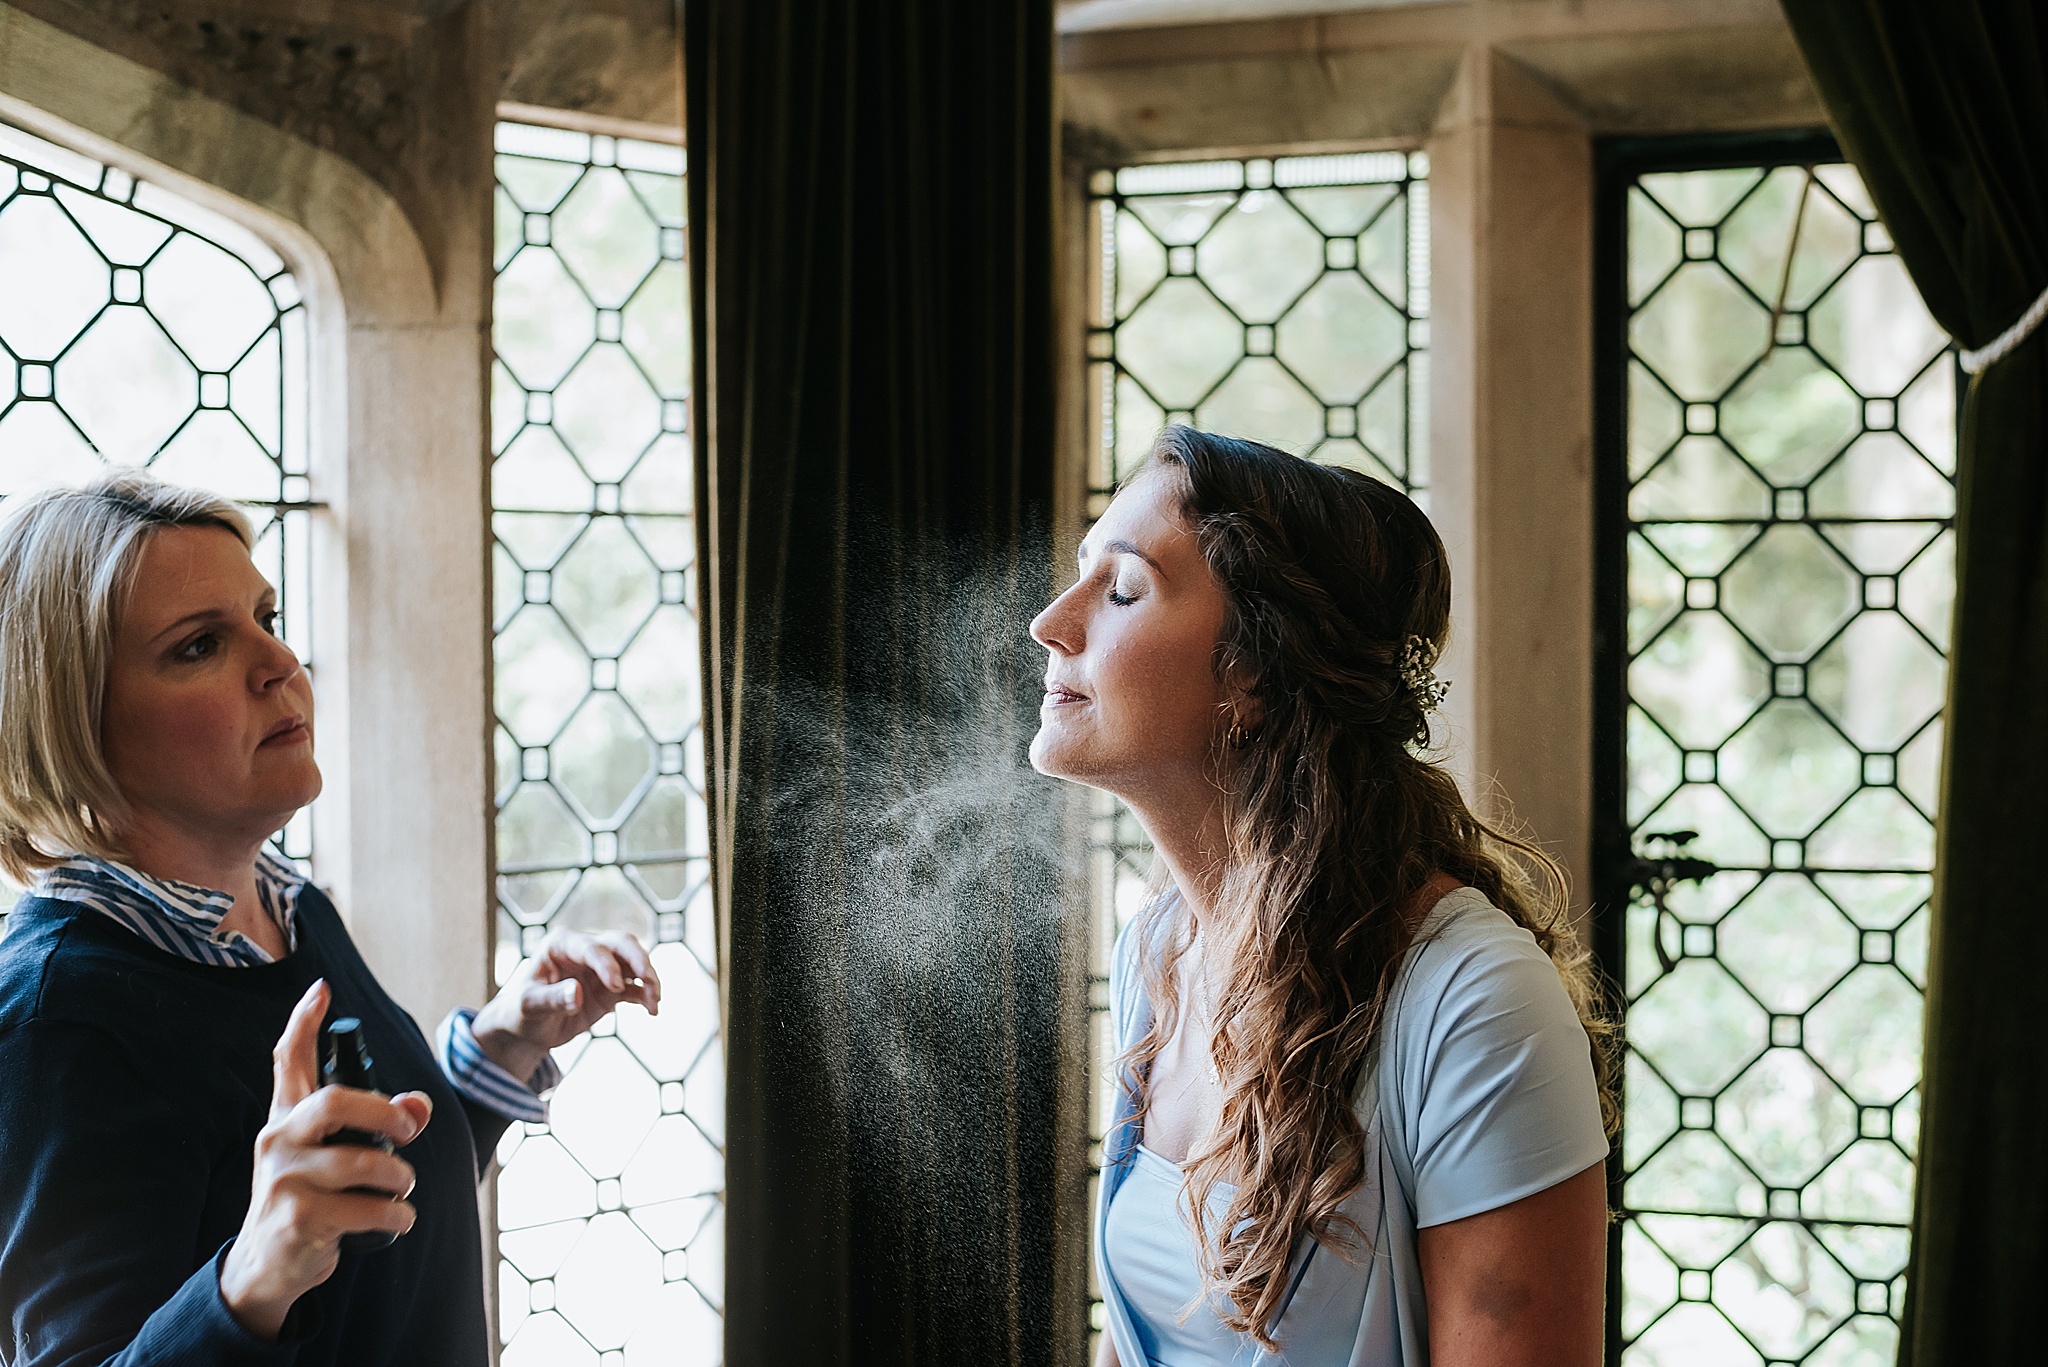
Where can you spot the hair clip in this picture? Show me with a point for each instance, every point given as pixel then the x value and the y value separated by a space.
pixel 1418 675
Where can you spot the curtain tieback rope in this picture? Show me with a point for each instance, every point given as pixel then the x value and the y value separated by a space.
pixel 1984 356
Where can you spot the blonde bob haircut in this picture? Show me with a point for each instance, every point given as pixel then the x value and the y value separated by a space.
pixel 68 558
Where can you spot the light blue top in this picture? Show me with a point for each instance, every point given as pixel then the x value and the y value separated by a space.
pixel 1483 1094
pixel 1147 1235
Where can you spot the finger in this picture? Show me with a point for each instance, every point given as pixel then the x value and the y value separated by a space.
pixel 334 1214
pixel 630 951
pixel 607 982
pixel 338 1167
pixel 602 961
pixel 295 1062
pixel 331 1109
pixel 559 952
pixel 604 991
pixel 545 1001
pixel 418 1105
pixel 639 964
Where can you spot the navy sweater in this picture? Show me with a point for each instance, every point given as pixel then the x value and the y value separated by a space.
pixel 132 1085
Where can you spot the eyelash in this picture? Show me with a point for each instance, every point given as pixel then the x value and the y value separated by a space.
pixel 266 620
pixel 1120 600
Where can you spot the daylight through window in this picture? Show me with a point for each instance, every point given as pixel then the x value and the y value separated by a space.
pixel 1791 436
pixel 611 1216
pixel 138 328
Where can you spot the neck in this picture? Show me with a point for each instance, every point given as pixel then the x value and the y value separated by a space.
pixel 221 861
pixel 1187 832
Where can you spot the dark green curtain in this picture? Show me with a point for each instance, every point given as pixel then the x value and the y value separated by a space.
pixel 872 205
pixel 1944 109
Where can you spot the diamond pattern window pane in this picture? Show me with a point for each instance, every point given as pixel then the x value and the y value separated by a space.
pixel 137 328
pixel 1791 438
pixel 611 1217
pixel 1285 300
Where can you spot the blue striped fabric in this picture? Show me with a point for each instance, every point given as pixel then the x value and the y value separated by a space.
pixel 483 1081
pixel 184 919
pixel 179 918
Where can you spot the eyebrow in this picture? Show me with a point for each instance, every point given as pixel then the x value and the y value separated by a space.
pixel 269 600
pixel 1127 547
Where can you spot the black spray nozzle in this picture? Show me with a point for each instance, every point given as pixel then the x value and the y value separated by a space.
pixel 348 1056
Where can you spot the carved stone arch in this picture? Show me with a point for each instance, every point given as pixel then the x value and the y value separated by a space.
pixel 325 215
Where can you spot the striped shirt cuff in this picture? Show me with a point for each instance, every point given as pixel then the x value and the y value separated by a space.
pixel 484 1082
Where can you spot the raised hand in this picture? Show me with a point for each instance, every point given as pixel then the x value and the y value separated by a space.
pixel 570 983
pixel 301 1200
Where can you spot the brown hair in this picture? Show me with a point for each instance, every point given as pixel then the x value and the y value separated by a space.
pixel 67 560
pixel 1336 821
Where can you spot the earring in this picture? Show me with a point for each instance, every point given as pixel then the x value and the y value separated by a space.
pixel 1237 738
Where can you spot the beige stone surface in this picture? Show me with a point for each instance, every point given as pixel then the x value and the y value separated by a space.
pixel 611 58
pixel 1376 73
pixel 1511 432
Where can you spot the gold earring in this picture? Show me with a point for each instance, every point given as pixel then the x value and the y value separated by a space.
pixel 1237 738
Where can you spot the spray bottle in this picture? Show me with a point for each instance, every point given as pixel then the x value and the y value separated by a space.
pixel 349 1065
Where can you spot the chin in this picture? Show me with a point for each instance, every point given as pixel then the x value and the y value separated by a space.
pixel 301 786
pixel 1060 756
pixel 1041 747
pixel 1051 753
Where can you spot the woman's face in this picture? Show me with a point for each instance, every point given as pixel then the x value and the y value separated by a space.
pixel 1132 701
pixel 208 724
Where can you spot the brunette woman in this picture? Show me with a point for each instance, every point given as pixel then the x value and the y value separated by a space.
pixel 167 1194
pixel 1359 1123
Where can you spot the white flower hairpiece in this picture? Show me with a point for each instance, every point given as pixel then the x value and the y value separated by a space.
pixel 1418 675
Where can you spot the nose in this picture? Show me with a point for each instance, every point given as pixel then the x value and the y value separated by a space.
pixel 276 663
pixel 1058 628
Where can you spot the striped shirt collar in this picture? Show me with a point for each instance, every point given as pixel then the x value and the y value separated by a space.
pixel 179 918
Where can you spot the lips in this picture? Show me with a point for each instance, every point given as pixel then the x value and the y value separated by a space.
pixel 289 731
pixel 1059 695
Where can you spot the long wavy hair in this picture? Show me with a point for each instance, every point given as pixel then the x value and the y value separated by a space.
pixel 1336 820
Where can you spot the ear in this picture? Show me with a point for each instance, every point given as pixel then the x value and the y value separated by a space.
pixel 1243 705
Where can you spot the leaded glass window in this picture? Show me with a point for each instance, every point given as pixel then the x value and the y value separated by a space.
pixel 139 328
pixel 1788 456
pixel 1283 299
pixel 610 1217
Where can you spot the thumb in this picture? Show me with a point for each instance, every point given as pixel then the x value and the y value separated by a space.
pixel 558 998
pixel 295 1062
pixel 418 1107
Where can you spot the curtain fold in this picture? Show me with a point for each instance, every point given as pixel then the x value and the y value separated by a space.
pixel 1944 110
pixel 872 206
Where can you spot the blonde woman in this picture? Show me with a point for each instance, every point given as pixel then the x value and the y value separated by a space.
pixel 167 1191
pixel 1359 1122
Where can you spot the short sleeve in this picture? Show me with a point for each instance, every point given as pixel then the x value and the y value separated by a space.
pixel 1496 1094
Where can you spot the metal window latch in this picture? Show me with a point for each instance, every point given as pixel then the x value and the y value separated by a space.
pixel 1656 870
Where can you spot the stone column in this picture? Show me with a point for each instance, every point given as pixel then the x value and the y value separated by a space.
pixel 1511 209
